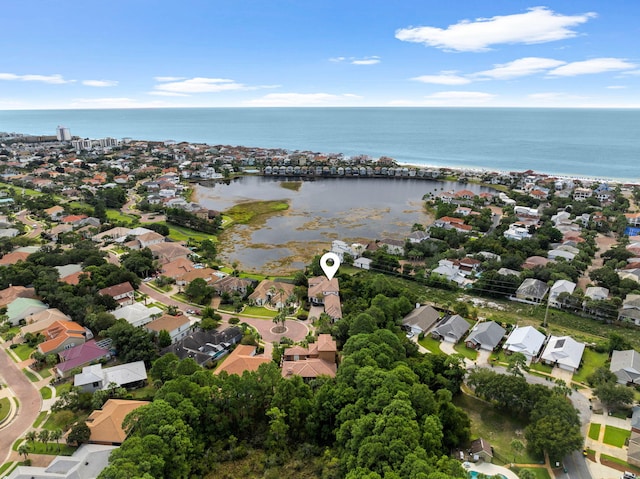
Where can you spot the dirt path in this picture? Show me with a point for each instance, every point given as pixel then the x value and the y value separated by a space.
pixel 604 243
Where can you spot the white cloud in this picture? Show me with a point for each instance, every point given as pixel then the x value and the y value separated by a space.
pixel 166 79
pixel 537 25
pixel 200 85
pixel 616 87
pixel 100 83
pixel 366 61
pixel 51 79
pixel 595 65
pixel 301 99
pixel 461 95
pixel 521 67
pixel 372 60
pixel 443 79
pixel 167 93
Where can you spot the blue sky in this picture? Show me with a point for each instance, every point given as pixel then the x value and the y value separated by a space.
pixel 255 53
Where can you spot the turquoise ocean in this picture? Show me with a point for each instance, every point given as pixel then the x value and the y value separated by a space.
pixel 600 143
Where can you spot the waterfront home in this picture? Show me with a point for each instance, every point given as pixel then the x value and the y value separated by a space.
pixel 564 352
pixel 232 284
pixel 168 252
pixel 486 335
pixel 626 366
pixel 526 340
pixel 274 293
pixel 392 246
pixel 451 329
pixel 418 236
pixel 362 263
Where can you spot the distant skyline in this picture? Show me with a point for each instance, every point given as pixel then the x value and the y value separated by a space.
pixel 75 54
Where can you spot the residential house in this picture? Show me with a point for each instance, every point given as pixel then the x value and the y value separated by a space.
pixel 20 309
pixel 137 314
pixel 10 294
pixel 177 268
pixel 123 293
pixel 630 310
pixel 148 239
pixel 319 359
pixel 95 377
pixel 451 329
pixel 73 220
pixel 533 262
pixel 486 335
pixel 242 358
pixel 421 319
pixel 526 340
pixel 559 287
pixel 167 252
pixel 87 462
pixel 333 307
pixel 392 246
pixel 205 346
pixel 596 293
pixel 319 287
pixel 532 291
pixel 626 366
pixel 508 272
pixel 43 320
pixel 362 263
pixel 106 424
pixel 480 449
pixel 82 355
pixel 14 257
pixel 210 275
pixel 177 326
pixel 450 271
pixel 517 231
pixel 232 284
pixel 63 335
pixel 341 248
pixel 54 213
pixel 633 219
pixel 274 293
pixel 582 194
pixel 564 352
pixel 418 236
pixel 561 252
pixel 118 233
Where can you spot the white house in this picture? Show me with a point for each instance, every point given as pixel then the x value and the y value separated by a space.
pixel 559 287
pixel 94 377
pixel 526 340
pixel 137 314
pixel 564 352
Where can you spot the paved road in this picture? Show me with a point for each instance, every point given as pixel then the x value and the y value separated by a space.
pixel 30 403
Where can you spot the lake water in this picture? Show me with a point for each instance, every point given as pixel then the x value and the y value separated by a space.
pixel 352 210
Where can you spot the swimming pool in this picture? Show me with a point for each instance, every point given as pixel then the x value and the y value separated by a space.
pixel 474 474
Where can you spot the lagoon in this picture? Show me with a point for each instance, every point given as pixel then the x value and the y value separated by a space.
pixel 320 211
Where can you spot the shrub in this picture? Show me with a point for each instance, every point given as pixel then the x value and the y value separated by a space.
pixel 13 346
pixel 234 320
pixel 302 316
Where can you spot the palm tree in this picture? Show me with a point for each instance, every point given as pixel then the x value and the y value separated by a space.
pixel 43 436
pixel 24 450
pixel 55 435
pixel 31 436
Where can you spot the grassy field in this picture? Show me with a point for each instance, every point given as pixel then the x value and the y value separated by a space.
pixel 179 233
pixel 258 311
pixel 538 472
pixel 41 416
pixel 117 215
pixel 23 351
pixel 246 212
pixel 430 344
pixel 615 436
pixel 5 407
pixel 495 426
pixel 59 420
pixel 32 377
pixel 51 448
pixel 594 431
pixel 45 392
pixel 590 362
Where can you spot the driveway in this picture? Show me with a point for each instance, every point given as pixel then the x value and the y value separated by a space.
pixel 30 403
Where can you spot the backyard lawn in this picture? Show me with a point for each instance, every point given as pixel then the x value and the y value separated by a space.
pixel 495 426
pixel 615 436
pixel 590 362
pixel 594 431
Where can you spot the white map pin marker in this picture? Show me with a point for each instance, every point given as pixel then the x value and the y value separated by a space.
pixel 330 270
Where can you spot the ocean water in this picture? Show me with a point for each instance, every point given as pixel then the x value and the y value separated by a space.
pixel 601 143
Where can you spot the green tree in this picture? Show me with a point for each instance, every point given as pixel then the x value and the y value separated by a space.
pixel 24 450
pixel 517 364
pixel 79 434
pixel 517 446
pixel 43 436
pixel 56 435
pixel 613 395
pixel 164 339
pixel 554 428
